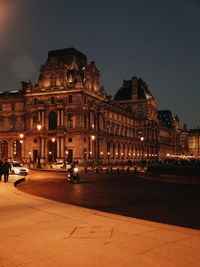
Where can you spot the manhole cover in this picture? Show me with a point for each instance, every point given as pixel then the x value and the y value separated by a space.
pixel 91 232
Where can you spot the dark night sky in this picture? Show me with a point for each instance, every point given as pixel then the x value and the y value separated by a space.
pixel 157 40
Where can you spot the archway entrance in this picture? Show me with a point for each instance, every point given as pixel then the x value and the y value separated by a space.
pixel 52 151
pixel 4 149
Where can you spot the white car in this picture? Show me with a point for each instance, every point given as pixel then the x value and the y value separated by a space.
pixel 17 168
pixel 58 165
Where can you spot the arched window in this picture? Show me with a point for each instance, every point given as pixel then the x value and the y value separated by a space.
pixel 70 99
pixel 52 120
pixel 53 80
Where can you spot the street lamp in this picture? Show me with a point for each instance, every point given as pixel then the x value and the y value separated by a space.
pixel 101 157
pixel 122 156
pixel 21 136
pixel 92 148
pixel 142 140
pixel 116 157
pixel 53 150
pixel 39 146
pixel 21 142
pixel 66 157
pixel 108 158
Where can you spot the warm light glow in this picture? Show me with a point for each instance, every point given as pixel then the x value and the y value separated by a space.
pixel 108 153
pixel 39 127
pixel 93 137
pixel 101 153
pixel 30 153
pixel 21 136
pixel 168 154
pixel 53 139
pixel 49 152
pixel 66 152
pixel 21 141
pixel 142 138
pixel 90 152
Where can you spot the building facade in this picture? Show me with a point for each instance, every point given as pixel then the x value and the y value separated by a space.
pixel 67 115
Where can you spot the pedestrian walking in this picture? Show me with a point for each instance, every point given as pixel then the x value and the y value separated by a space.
pixel 6 167
pixel 1 171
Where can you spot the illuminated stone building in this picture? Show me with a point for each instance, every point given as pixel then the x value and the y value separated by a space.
pixel 169 135
pixel 135 97
pixel 78 120
pixel 194 142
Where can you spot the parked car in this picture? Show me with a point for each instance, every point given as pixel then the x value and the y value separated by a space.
pixel 18 168
pixel 58 165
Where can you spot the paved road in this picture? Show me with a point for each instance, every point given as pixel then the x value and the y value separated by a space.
pixel 123 194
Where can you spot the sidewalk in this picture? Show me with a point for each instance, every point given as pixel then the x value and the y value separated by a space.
pixel 41 232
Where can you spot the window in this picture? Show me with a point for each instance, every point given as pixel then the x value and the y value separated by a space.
pixel 84 100
pixel 35 118
pixel 52 100
pixel 52 120
pixel 13 106
pixel 0 107
pixel 70 99
pixel 53 80
pixel 70 122
pixel 85 120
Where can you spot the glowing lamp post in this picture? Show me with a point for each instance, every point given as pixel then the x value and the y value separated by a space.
pixel 53 149
pixel 142 140
pixel 92 148
pixel 39 127
pixel 116 156
pixel 101 157
pixel 108 158
pixel 21 142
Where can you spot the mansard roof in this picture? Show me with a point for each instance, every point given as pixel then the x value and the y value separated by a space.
pixel 11 94
pixel 68 56
pixel 195 131
pixel 166 118
pixel 126 91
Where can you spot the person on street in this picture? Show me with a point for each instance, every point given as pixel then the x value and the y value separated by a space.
pixel 6 167
pixel 1 171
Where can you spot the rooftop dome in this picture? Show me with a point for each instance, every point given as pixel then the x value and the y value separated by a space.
pixel 133 86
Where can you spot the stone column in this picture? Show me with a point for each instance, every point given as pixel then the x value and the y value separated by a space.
pixel 62 118
pixel 43 120
pixel 58 147
pixel 58 117
pixel 62 147
pixel 41 147
pixel 31 122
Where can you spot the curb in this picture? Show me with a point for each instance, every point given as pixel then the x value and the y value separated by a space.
pixel 19 181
